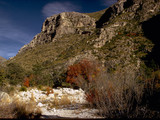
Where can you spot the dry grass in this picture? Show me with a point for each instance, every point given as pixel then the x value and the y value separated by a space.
pixel 20 110
pixel 7 111
pixel 25 110
pixel 115 94
pixel 60 102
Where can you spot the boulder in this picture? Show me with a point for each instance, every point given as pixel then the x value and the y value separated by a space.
pixel 5 98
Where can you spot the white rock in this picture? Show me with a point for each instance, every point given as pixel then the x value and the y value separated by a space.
pixel 40 105
pixel 5 98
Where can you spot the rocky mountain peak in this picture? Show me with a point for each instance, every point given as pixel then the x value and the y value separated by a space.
pixel 57 25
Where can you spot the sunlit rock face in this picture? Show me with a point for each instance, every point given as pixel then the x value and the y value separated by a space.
pixel 57 25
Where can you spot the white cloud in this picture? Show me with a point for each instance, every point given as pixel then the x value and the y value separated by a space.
pixel 109 2
pixel 58 7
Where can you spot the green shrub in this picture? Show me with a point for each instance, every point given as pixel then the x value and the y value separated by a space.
pixel 15 73
pixel 23 88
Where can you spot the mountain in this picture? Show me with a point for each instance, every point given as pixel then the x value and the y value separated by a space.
pixel 123 35
pixel 2 59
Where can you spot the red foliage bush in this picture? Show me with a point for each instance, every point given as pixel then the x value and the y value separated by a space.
pixel 26 82
pixel 27 79
pixel 49 91
pixel 83 74
pixel 85 68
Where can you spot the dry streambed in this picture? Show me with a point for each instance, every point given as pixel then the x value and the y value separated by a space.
pixel 63 102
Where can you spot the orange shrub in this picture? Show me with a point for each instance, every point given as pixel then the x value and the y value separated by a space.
pixel 84 74
pixel 49 91
pixel 85 68
pixel 26 82
pixel 27 79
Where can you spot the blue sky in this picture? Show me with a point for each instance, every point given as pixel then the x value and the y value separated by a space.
pixel 21 20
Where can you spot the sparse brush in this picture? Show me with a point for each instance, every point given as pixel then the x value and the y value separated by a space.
pixel 23 88
pixel 7 111
pixel 115 94
pixel 63 101
pixel 25 110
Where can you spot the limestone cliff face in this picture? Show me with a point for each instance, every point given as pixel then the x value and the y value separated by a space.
pixel 56 26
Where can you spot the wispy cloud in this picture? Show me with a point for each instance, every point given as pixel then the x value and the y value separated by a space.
pixel 109 2
pixel 59 7
pixel 11 38
pixel 7 30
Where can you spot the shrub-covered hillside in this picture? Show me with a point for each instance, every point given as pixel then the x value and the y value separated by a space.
pixel 113 55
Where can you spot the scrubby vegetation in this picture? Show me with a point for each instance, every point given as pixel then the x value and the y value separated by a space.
pixel 20 110
pixel 116 94
pixel 121 79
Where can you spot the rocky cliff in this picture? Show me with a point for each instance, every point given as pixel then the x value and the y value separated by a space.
pixel 118 36
pixel 58 25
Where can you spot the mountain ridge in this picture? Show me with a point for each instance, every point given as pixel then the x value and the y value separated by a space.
pixel 116 37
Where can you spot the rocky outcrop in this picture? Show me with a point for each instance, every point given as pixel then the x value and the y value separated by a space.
pixel 126 12
pixel 140 9
pixel 58 25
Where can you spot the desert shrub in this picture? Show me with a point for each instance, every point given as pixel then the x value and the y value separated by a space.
pixel 49 91
pixel 115 94
pixel 3 80
pixel 85 69
pixel 39 87
pixel 7 111
pixel 27 80
pixel 60 103
pixel 2 75
pixel 23 88
pixel 25 110
pixel 15 73
pixel 40 76
pixel 58 78
pixel 20 110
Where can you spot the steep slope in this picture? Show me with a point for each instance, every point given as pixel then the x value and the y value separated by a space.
pixel 117 36
pixel 2 59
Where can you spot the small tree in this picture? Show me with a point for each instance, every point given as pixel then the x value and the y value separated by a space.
pixel 15 73
pixel 85 69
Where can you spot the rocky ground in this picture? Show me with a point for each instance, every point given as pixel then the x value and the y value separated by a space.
pixel 62 103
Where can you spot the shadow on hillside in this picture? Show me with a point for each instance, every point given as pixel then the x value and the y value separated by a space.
pixel 151 30
pixel 111 11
